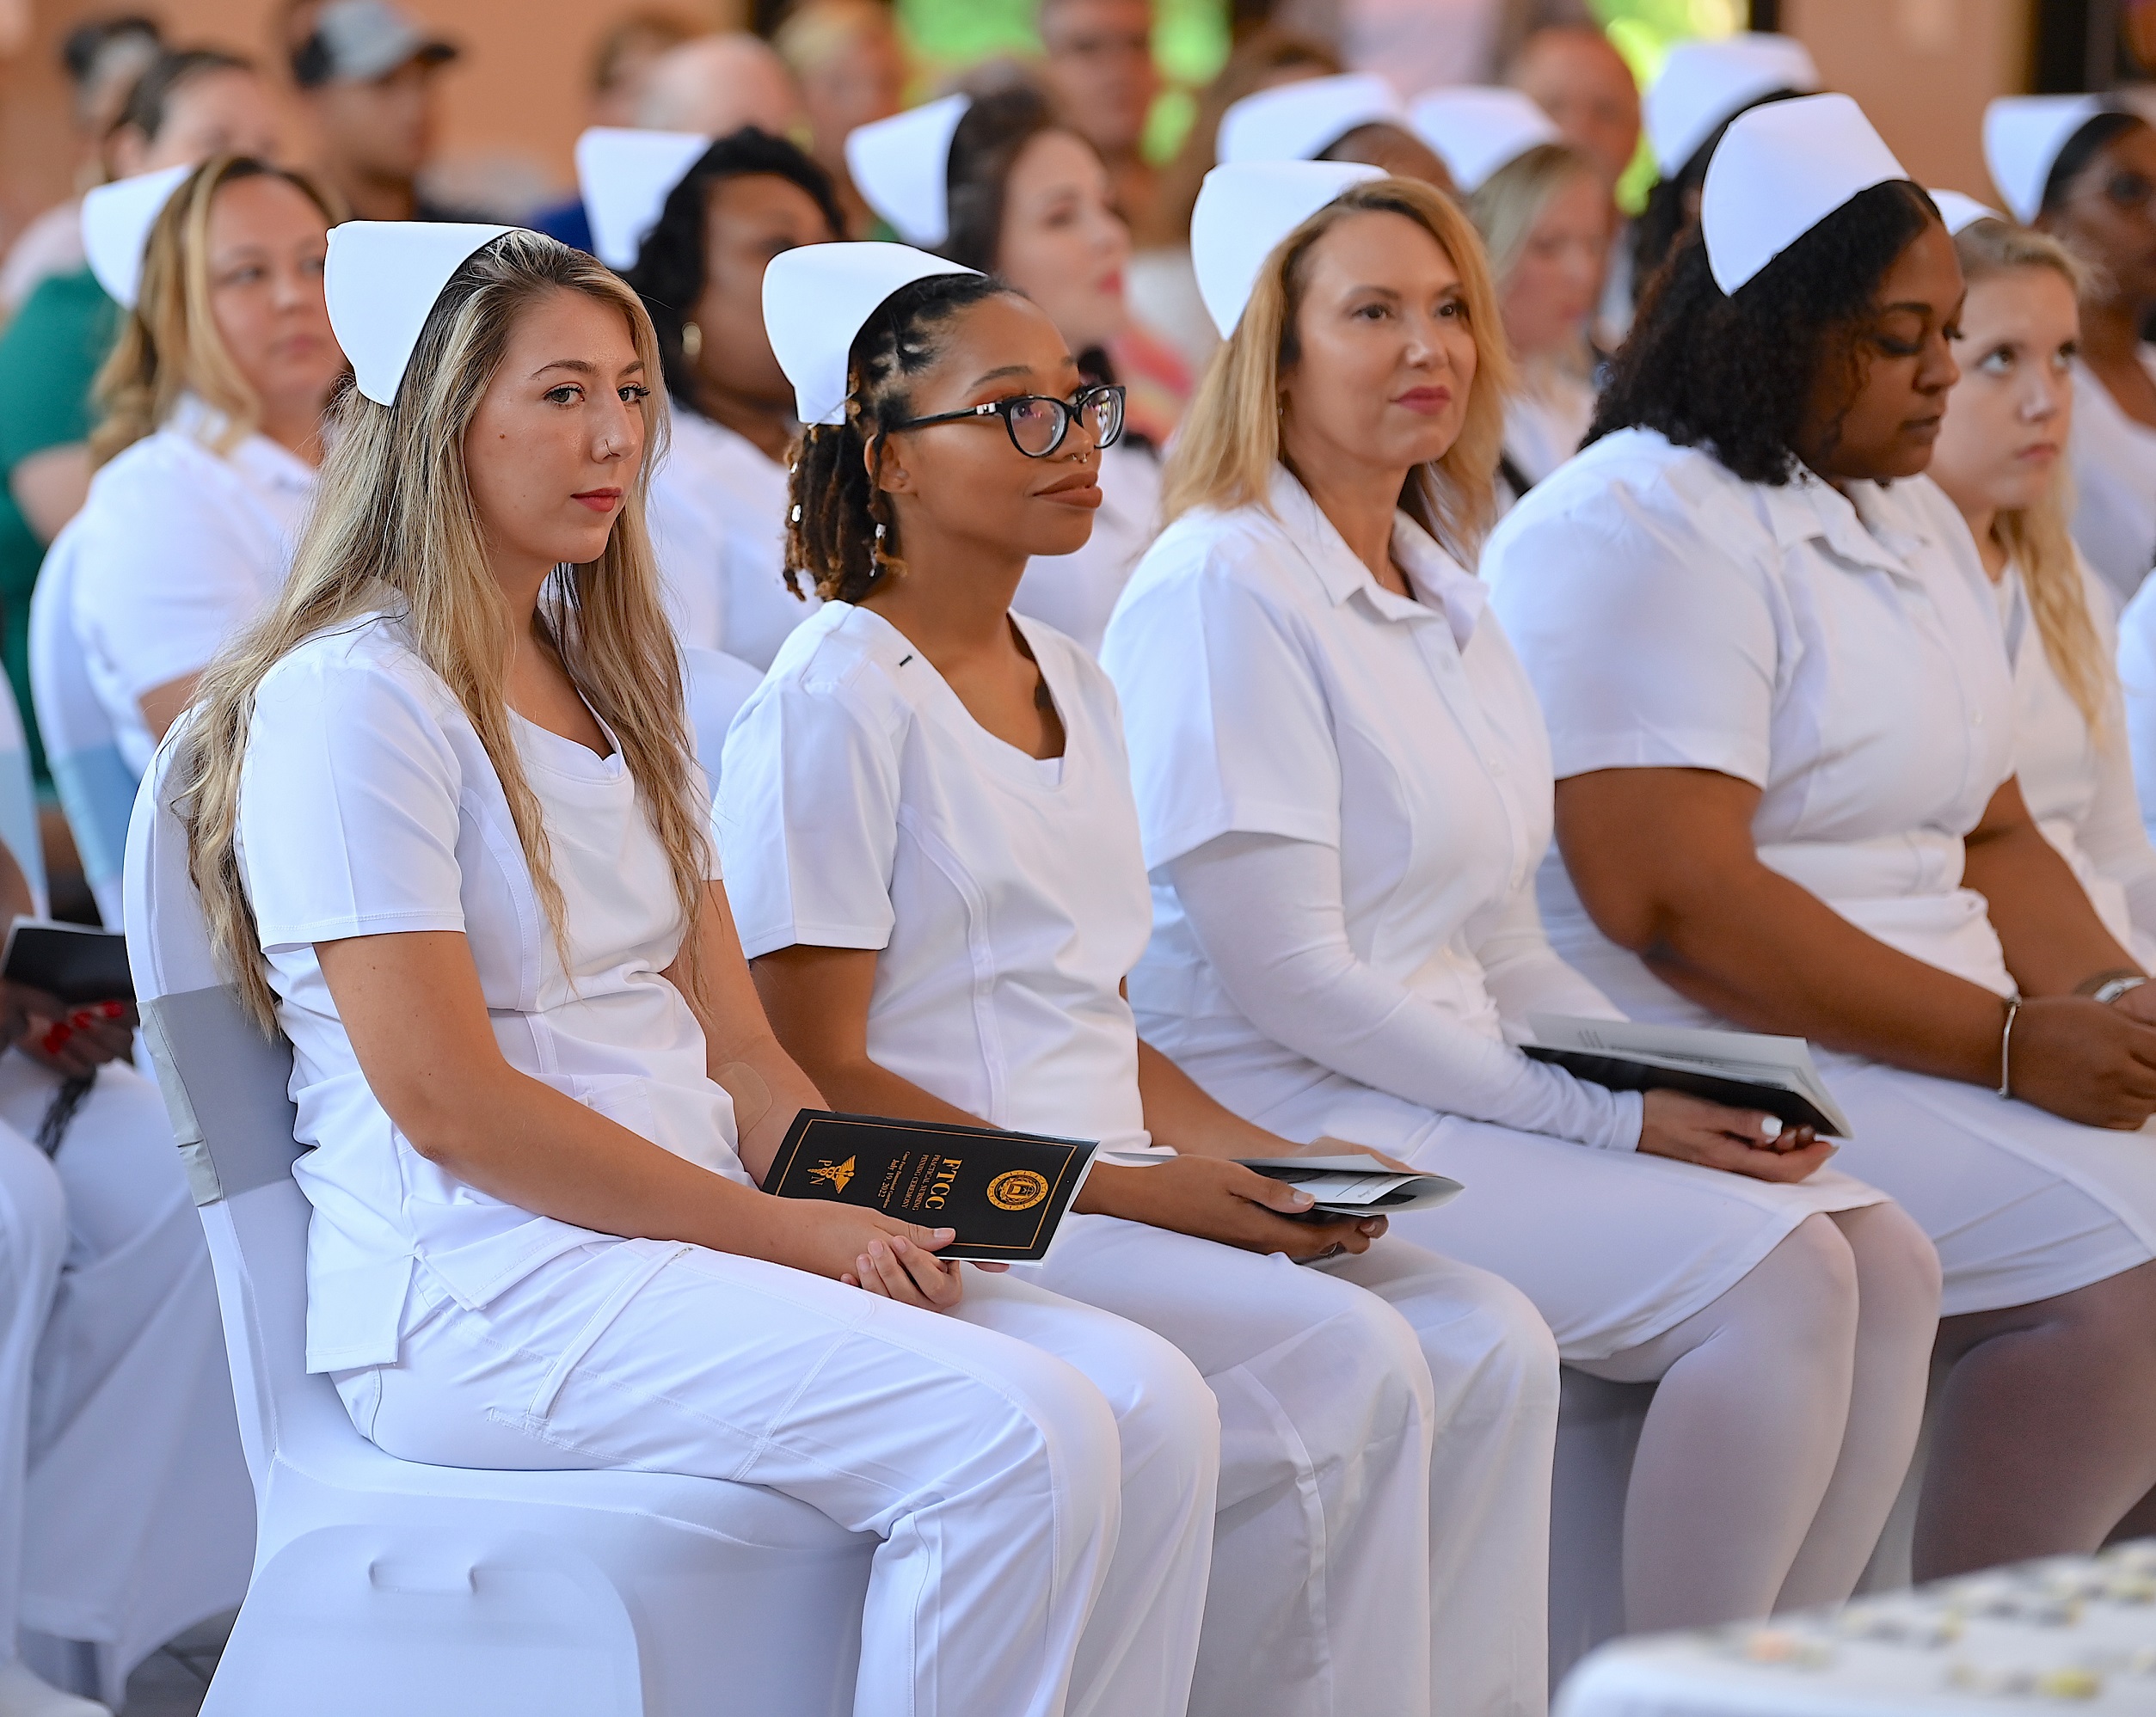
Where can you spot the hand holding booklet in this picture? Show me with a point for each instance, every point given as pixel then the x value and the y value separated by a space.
pixel 1350 1183
pixel 1744 1070
pixel 78 963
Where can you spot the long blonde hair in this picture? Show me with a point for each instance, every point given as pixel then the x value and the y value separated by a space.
pixel 1507 204
pixel 394 528
pixel 2037 538
pixel 169 345
pixel 1230 443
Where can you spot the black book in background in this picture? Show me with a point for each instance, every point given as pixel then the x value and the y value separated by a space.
pixel 78 963
pixel 1004 1192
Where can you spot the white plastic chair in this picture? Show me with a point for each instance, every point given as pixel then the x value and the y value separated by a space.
pixel 95 786
pixel 384 1586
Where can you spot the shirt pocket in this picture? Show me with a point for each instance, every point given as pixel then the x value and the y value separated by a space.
pixel 624 1098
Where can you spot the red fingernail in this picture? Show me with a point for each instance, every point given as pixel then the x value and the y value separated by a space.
pixel 56 1039
pixel 82 1017
pixel 113 1010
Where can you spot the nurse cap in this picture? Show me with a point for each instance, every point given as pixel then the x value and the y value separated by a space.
pixel 902 166
pixel 1299 121
pixel 1246 208
pixel 1702 84
pixel 1475 131
pixel 2023 135
pixel 625 178
pixel 816 299
pixel 1780 170
pixel 1960 212
pixel 116 222
pixel 381 282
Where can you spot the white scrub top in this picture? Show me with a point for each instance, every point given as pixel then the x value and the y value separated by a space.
pixel 1076 592
pixel 718 522
pixel 2114 460
pixel 178 547
pixel 861 807
pixel 1547 418
pixel 2079 786
pixel 1846 659
pixel 369 806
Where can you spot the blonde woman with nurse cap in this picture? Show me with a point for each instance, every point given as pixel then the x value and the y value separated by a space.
pixel 2084 171
pixel 452 843
pixel 1540 206
pixel 924 773
pixel 1784 728
pixel 210 431
pixel 2000 458
pixel 1344 789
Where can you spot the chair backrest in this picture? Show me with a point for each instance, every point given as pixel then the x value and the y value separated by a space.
pixel 95 785
pixel 19 803
pixel 227 1091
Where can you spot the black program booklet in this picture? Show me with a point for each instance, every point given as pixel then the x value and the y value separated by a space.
pixel 1004 1192
pixel 1620 1073
pixel 78 963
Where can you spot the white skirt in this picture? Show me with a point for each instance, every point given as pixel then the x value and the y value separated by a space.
pixel 2021 1203
pixel 1614 1247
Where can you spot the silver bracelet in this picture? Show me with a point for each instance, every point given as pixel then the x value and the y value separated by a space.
pixel 2112 988
pixel 2006 1047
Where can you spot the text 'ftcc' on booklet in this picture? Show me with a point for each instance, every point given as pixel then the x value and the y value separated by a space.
pixel 1744 1070
pixel 1004 1192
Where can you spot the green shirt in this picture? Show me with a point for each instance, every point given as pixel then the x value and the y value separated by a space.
pixel 49 355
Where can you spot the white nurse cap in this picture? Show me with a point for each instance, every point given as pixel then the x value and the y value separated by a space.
pixel 817 297
pixel 625 178
pixel 116 222
pixel 1702 84
pixel 2023 135
pixel 1959 212
pixel 1299 121
pixel 1245 209
pixel 1475 131
pixel 381 282
pixel 902 167
pixel 1780 170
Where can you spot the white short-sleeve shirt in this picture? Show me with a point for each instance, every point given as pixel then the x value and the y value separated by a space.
pixel 369 806
pixel 718 522
pixel 1076 592
pixel 177 548
pixel 861 807
pixel 2114 461
pixel 1842 654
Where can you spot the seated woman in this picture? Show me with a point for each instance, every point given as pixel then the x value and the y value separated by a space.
pixel 2000 456
pixel 451 842
pixel 211 429
pixel 926 815
pixel 1344 791
pixel 718 502
pixel 999 185
pixel 1541 208
pixel 1784 730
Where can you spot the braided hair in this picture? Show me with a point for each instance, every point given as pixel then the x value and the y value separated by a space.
pixel 840 533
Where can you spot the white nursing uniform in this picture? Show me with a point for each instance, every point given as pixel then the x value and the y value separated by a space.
pixel 1272 689
pixel 862 807
pixel 1547 418
pixel 1843 655
pixel 2078 784
pixel 177 548
pixel 718 522
pixel 368 806
pixel 1076 592
pixel 2114 461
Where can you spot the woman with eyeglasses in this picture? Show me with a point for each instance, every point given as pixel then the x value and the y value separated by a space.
pixel 2085 173
pixel 932 849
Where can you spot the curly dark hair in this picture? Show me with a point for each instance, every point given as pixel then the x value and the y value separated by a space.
pixel 1668 210
pixel 1734 374
pixel 838 528
pixel 2080 150
pixel 668 274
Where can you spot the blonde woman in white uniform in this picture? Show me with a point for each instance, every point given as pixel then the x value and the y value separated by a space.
pixel 1784 730
pixel 1345 789
pixel 211 433
pixel 452 844
pixel 930 840
pixel 1999 457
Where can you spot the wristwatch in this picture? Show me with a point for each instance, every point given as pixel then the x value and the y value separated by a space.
pixel 2112 988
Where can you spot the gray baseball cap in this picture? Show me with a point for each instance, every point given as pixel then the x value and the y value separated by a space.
pixel 356 41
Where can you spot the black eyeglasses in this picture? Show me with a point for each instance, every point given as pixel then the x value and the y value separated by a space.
pixel 1038 423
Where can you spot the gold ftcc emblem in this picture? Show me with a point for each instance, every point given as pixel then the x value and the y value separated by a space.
pixel 833 1174
pixel 1020 1189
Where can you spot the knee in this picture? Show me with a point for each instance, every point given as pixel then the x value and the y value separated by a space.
pixel 1165 1417
pixel 2118 1314
pixel 33 1229
pixel 1056 1429
pixel 1498 1356
pixel 1895 1261
pixel 1812 1274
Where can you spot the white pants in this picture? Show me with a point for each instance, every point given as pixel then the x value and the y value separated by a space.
pixel 1042 1474
pixel 126 1512
pixel 1349 1576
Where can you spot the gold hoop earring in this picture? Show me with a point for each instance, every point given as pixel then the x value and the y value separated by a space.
pixel 691 341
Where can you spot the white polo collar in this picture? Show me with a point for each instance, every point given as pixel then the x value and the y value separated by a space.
pixel 1808 508
pixel 1443 588
pixel 262 459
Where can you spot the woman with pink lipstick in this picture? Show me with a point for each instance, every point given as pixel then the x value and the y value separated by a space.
pixel 2000 458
